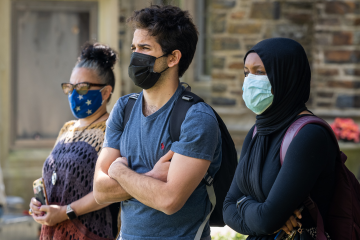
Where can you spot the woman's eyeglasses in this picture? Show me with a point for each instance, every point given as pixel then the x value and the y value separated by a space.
pixel 80 88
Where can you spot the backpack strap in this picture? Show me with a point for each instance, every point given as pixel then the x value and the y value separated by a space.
pixel 292 131
pixel 177 116
pixel 316 216
pixel 129 106
pixel 296 127
pixel 212 197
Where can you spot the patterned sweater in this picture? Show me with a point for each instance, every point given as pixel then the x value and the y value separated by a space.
pixel 75 155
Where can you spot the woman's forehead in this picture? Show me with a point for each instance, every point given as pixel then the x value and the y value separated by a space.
pixel 253 59
pixel 84 75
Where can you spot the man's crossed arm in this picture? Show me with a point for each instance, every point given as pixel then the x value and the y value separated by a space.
pixel 185 174
pixel 154 189
pixel 108 190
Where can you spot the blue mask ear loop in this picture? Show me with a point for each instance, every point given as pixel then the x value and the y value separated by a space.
pixel 101 95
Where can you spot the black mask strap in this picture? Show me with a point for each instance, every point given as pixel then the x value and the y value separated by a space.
pixel 165 68
pixel 162 56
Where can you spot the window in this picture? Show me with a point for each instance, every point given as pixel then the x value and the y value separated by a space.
pixel 203 50
pixel 46 42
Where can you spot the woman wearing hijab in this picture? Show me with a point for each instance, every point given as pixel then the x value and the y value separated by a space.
pixel 264 195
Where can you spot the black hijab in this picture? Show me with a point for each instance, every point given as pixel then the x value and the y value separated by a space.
pixel 288 70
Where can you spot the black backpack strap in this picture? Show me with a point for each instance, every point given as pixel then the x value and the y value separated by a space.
pixel 129 106
pixel 177 116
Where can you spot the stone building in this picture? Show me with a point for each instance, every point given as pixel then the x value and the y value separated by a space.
pixel 328 30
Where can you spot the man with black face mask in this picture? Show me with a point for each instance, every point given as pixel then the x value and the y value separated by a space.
pixel 141 69
pixel 160 199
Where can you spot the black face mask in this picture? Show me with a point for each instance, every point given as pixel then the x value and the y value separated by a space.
pixel 141 70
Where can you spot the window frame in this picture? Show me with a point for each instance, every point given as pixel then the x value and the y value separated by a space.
pixel 73 6
pixel 202 16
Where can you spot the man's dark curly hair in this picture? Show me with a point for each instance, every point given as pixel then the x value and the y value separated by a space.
pixel 173 29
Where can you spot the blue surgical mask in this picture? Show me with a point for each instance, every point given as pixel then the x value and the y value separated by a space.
pixel 83 106
pixel 257 93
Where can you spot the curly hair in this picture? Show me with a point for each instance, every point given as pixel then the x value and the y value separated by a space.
pixel 172 28
pixel 99 58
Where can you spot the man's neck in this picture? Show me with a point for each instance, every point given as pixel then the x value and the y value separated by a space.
pixel 159 95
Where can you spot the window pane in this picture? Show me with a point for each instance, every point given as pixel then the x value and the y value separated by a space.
pixel 48 43
pixel 207 41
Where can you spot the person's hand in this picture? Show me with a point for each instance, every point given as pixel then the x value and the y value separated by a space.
pixel 161 168
pixel 292 222
pixel 35 207
pixel 54 214
pixel 114 166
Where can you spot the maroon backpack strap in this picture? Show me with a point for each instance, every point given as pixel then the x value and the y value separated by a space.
pixel 316 215
pixel 296 127
pixel 289 136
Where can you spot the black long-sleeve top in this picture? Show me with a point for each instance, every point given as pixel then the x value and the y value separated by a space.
pixel 308 167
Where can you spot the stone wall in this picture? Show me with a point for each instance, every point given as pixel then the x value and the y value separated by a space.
pixel 328 30
pixel 336 54
pixel 239 25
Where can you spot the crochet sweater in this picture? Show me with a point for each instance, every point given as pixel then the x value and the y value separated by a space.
pixel 75 155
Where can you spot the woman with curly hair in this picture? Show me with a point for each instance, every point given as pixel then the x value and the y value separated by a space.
pixel 68 172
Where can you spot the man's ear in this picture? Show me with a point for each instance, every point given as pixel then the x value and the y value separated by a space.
pixel 174 58
pixel 106 92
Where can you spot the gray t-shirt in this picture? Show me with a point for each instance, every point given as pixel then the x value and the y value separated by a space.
pixel 143 141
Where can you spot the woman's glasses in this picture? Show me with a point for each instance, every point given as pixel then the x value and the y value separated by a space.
pixel 80 88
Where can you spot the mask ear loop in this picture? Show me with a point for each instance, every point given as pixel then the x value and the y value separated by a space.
pixel 162 56
pixel 100 91
pixel 165 68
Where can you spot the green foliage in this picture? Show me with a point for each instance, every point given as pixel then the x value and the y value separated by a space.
pixel 229 236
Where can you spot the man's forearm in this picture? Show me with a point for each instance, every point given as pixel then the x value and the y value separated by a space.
pixel 144 188
pixel 167 186
pixel 107 190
